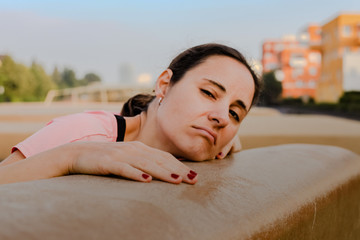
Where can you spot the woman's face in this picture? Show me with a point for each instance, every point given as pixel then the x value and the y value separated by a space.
pixel 202 112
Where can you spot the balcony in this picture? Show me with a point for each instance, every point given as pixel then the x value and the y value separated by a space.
pixel 316 45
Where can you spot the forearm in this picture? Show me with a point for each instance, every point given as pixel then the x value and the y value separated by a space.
pixel 133 160
pixel 48 164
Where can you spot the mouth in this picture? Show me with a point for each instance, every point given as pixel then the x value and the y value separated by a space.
pixel 208 133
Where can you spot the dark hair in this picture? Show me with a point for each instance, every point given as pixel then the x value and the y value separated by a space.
pixel 136 105
pixel 184 62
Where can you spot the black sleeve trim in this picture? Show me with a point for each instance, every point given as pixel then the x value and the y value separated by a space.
pixel 121 126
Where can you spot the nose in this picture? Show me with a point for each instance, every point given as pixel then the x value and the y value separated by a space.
pixel 220 118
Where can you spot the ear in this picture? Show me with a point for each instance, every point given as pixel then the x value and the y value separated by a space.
pixel 163 83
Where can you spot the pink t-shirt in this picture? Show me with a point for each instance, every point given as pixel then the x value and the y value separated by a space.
pixel 86 126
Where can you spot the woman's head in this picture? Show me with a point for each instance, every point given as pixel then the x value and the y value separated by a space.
pixel 197 116
pixel 185 61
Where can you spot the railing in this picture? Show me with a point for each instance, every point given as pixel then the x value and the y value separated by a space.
pixel 95 93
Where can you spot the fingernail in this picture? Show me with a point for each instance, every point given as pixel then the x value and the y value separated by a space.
pixel 220 154
pixel 173 175
pixel 191 176
pixel 193 173
pixel 181 159
pixel 145 176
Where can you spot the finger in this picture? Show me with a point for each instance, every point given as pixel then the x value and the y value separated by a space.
pixel 236 145
pixel 156 171
pixel 161 165
pixel 127 171
pixel 225 151
pixel 233 146
pixel 173 164
pixel 168 162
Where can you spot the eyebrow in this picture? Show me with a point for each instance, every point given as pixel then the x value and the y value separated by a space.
pixel 223 89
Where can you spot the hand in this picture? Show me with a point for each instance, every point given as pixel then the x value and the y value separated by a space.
pixel 233 146
pixel 133 160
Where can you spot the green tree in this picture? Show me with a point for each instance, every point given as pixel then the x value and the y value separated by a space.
pixel 68 79
pixel 90 78
pixel 43 82
pixel 272 90
pixel 17 81
pixel 56 77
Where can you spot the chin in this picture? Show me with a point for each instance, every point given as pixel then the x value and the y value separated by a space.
pixel 201 159
pixel 199 155
pixel 198 150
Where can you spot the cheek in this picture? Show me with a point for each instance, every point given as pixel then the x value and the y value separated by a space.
pixel 181 107
pixel 172 116
pixel 228 135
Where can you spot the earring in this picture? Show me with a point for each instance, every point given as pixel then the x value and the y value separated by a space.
pixel 160 100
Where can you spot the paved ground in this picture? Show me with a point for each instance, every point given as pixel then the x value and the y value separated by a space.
pixel 263 126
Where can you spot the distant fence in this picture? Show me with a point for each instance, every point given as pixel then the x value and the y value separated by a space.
pixel 95 93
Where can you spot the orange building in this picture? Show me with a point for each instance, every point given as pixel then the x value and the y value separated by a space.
pixel 295 65
pixel 340 49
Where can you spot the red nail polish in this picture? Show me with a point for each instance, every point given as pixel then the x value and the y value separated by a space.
pixel 145 176
pixel 191 176
pixel 173 175
pixel 193 173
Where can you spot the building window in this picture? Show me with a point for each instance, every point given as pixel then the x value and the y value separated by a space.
pixel 267 47
pixel 271 66
pixel 346 31
pixel 297 60
pixel 268 55
pixel 312 84
pixel 313 71
pixel 315 57
pixel 297 72
pixel 299 84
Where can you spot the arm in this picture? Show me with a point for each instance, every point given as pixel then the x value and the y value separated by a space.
pixel 133 160
pixel 16 168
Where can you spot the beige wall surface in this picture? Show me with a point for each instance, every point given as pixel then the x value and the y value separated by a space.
pixel 267 127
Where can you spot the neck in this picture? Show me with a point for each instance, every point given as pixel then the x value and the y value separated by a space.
pixel 144 128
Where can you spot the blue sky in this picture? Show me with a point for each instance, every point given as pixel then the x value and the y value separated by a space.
pixel 100 36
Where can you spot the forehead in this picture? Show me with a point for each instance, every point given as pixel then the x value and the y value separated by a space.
pixel 229 72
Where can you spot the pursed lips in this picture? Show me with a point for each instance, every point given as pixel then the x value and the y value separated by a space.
pixel 211 135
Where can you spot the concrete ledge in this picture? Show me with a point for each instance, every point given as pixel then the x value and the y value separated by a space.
pixel 349 142
pixel 294 191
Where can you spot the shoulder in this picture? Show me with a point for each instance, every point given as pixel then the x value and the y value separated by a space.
pixel 103 116
pixel 88 123
pixel 86 126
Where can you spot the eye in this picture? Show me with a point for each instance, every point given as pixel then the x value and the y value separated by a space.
pixel 234 115
pixel 206 92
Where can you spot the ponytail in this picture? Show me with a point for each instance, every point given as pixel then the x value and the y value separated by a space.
pixel 136 104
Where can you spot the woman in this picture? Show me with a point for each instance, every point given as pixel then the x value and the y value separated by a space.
pixel 199 103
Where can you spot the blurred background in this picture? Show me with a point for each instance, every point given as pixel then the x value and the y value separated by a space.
pixel 59 57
